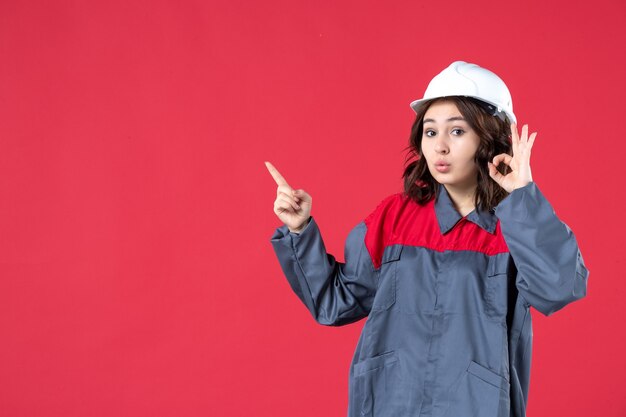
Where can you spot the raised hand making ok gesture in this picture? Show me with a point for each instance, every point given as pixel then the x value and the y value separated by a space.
pixel 519 162
pixel 293 207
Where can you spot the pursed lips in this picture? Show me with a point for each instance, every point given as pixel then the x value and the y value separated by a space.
pixel 442 166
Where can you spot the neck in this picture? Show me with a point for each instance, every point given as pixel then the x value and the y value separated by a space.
pixel 462 197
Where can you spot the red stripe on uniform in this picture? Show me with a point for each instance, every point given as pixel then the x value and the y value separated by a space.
pixel 400 220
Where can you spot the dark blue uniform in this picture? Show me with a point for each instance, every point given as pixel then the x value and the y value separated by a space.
pixel 447 298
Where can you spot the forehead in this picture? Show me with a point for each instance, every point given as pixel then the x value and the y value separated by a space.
pixel 442 109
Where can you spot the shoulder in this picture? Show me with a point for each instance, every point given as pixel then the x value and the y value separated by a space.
pixel 382 222
pixel 388 205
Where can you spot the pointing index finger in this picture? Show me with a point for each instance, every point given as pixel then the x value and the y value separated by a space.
pixel 275 174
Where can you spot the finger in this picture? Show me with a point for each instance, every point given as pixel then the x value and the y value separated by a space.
pixel 289 201
pixel 494 173
pixel 284 189
pixel 286 205
pixel 282 205
pixel 503 157
pixel 531 140
pixel 514 137
pixel 289 192
pixel 280 180
pixel 514 129
pixel 288 197
pixel 524 137
pixel 303 195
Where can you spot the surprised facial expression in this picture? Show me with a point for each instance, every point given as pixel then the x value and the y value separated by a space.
pixel 449 145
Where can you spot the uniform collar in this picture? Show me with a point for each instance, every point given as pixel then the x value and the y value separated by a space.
pixel 448 216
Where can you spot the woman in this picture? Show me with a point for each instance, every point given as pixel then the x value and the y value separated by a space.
pixel 447 270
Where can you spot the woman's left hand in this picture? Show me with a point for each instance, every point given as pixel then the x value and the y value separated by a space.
pixel 519 162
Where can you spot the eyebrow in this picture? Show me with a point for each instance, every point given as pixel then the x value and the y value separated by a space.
pixel 452 119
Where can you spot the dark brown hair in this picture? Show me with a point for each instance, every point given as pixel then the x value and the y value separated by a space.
pixel 494 134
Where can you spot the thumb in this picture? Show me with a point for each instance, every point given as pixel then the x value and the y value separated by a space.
pixel 300 193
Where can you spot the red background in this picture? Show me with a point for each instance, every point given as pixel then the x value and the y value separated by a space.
pixel 136 273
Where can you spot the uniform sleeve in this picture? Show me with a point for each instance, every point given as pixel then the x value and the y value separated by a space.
pixel 551 271
pixel 335 293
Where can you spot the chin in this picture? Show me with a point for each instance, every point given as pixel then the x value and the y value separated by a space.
pixel 450 178
pixel 442 178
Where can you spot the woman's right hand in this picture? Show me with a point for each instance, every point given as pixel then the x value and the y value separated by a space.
pixel 293 207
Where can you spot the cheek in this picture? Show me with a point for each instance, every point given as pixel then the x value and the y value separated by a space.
pixel 466 159
pixel 426 149
pixel 468 151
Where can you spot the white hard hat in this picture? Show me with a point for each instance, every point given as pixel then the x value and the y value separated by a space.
pixel 470 80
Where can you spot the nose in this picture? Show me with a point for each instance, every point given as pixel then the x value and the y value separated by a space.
pixel 441 145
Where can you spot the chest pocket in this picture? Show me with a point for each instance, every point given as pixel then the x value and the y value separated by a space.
pixel 500 282
pixel 386 291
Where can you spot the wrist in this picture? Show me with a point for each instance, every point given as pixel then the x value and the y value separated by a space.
pixel 300 228
pixel 521 185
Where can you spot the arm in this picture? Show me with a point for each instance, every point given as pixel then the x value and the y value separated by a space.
pixel 335 293
pixel 551 271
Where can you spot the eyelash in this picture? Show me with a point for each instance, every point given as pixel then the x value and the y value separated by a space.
pixel 426 132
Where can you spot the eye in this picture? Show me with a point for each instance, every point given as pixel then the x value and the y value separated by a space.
pixel 457 131
pixel 429 133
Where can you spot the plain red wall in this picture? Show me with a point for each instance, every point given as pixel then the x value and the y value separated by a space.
pixel 136 273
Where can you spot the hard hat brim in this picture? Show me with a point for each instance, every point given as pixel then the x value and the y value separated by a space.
pixel 415 105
